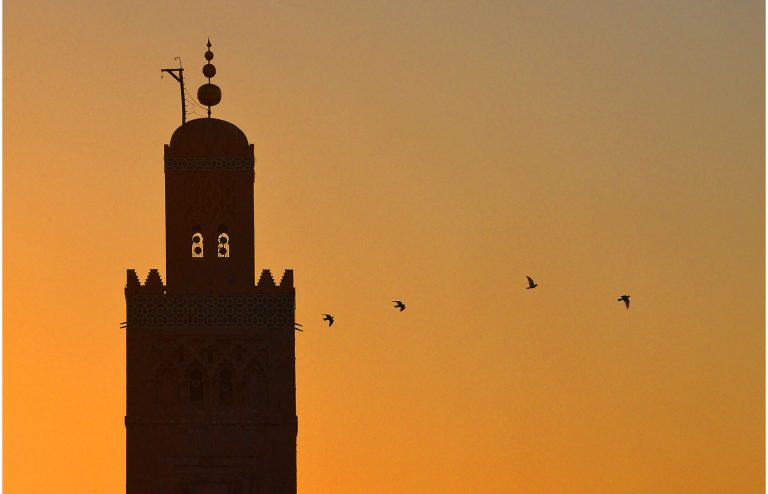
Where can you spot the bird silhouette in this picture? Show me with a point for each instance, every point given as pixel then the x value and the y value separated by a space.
pixel 399 305
pixel 625 298
pixel 531 284
pixel 329 318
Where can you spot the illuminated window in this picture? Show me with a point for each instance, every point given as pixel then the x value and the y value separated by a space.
pixel 223 245
pixel 197 245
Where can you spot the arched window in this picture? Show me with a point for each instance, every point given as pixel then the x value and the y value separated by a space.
pixel 167 389
pixel 225 387
pixel 255 390
pixel 197 245
pixel 223 245
pixel 196 386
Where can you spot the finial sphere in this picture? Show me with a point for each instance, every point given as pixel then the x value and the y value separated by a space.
pixel 209 70
pixel 209 55
pixel 209 94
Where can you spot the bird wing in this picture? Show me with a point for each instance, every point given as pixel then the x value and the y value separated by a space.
pixel 626 301
pixel 530 281
pixel 330 322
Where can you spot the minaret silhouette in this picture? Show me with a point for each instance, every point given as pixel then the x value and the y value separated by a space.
pixel 211 387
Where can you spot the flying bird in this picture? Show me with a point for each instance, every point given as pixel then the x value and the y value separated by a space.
pixel 329 318
pixel 625 298
pixel 531 283
pixel 399 305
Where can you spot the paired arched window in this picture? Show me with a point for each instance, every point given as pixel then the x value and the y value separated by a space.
pixel 222 249
pixel 223 245
pixel 197 245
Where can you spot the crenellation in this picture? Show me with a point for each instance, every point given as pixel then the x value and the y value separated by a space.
pixel 266 280
pixel 154 283
pixel 132 280
pixel 287 280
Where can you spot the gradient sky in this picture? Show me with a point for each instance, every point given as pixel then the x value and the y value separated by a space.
pixel 434 152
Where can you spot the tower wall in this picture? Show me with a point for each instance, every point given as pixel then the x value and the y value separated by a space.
pixel 208 196
pixel 211 398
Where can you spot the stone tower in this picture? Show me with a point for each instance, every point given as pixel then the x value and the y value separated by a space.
pixel 211 387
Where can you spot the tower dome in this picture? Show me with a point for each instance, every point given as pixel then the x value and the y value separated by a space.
pixel 208 138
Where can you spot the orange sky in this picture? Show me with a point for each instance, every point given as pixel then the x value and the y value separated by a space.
pixel 436 153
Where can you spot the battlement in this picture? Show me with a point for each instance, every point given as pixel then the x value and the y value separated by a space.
pixel 266 305
pixel 154 282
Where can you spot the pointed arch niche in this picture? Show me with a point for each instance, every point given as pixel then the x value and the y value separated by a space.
pixel 226 388
pixel 196 383
pixel 167 387
pixel 255 388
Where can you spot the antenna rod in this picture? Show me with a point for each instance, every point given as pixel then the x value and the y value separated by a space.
pixel 179 78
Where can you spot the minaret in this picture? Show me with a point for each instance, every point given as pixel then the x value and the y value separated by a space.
pixel 211 393
pixel 209 202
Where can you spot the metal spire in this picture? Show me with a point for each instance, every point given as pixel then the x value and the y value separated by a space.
pixel 209 94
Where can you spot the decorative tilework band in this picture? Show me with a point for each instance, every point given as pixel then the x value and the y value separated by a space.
pixel 209 163
pixel 162 310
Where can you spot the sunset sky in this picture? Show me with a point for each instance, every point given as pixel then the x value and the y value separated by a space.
pixel 432 152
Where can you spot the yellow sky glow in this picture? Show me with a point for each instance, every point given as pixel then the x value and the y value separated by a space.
pixel 433 152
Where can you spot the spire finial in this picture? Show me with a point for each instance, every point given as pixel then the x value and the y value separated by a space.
pixel 209 94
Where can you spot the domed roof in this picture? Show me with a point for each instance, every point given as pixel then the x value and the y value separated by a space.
pixel 208 138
